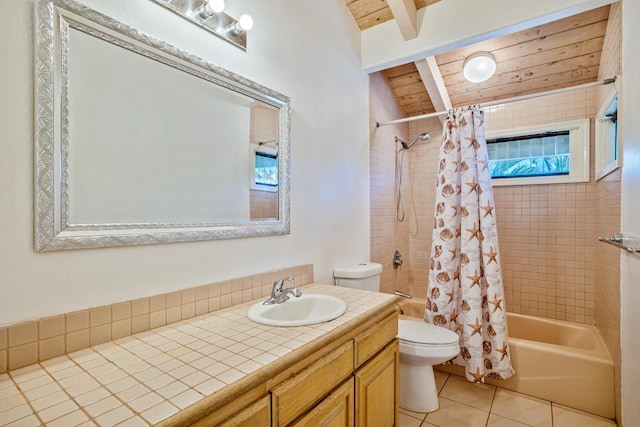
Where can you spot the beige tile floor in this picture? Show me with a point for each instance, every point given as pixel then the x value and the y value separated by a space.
pixel 464 404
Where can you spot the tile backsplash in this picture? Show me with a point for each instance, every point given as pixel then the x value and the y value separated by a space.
pixel 32 341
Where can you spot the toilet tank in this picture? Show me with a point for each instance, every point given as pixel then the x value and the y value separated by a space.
pixel 365 276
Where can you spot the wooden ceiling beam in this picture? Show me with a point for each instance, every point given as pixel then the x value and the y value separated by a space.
pixel 405 14
pixel 433 82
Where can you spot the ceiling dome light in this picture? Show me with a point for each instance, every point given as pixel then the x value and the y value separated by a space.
pixel 479 67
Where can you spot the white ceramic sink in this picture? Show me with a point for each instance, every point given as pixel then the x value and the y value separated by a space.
pixel 307 309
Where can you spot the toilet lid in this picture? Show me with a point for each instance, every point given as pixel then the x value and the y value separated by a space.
pixel 422 332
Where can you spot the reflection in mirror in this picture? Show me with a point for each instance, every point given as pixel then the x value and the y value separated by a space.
pixel 138 142
pixel 263 171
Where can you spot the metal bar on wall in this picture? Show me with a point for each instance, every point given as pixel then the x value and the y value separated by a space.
pixel 504 101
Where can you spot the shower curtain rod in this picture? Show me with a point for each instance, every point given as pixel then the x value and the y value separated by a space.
pixel 504 101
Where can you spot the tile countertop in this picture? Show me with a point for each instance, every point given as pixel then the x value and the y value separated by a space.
pixel 148 378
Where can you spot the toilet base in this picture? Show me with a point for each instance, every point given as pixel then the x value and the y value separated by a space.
pixel 418 390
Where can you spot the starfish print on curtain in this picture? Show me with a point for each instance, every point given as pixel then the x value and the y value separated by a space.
pixel 465 292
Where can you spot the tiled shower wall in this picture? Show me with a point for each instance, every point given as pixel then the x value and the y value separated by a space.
pixel 387 234
pixel 608 215
pixel 423 161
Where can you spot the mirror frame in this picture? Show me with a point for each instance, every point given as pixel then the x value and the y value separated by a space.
pixel 53 18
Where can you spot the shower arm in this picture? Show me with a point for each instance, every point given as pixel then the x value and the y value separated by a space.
pixel 421 137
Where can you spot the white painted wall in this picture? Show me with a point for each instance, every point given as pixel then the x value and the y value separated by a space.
pixel 451 24
pixel 630 220
pixel 307 50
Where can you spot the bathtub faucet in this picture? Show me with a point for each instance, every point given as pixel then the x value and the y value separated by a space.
pixel 402 294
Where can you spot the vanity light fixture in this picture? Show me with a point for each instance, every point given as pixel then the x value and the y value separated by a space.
pixel 245 23
pixel 208 14
pixel 479 67
pixel 209 8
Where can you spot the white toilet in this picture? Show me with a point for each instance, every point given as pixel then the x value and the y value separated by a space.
pixel 422 345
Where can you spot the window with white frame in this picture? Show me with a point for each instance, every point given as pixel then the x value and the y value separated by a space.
pixel 264 167
pixel 541 154
pixel 607 150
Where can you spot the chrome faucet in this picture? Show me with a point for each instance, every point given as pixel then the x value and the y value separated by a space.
pixel 280 295
pixel 402 294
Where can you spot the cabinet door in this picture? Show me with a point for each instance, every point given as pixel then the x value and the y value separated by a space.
pixel 377 389
pixel 257 414
pixel 372 340
pixel 303 391
pixel 336 410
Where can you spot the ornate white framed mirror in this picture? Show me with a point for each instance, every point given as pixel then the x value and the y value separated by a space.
pixel 139 142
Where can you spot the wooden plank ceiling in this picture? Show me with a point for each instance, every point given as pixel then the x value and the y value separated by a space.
pixel 369 13
pixel 551 56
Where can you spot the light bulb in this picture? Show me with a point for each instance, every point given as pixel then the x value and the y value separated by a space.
pixel 210 8
pixel 216 6
pixel 245 22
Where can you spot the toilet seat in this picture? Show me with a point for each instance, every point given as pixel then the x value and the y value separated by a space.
pixel 420 333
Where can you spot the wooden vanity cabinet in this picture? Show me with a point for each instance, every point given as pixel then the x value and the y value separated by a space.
pixel 336 410
pixel 300 393
pixel 251 409
pixel 256 414
pixel 377 373
pixel 354 385
pixel 377 390
pixel 351 381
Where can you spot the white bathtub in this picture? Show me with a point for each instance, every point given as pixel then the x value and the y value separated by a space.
pixel 563 362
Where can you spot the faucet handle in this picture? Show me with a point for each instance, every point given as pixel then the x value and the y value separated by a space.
pixel 278 284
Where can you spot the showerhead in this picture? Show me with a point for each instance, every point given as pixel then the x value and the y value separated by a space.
pixel 421 137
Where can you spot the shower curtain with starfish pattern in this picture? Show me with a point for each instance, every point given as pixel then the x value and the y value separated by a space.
pixel 465 292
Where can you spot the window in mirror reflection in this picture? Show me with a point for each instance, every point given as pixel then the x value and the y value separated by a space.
pixel 266 169
pixel 263 163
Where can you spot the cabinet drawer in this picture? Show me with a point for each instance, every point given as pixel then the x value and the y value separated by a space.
pixel 296 395
pixel 373 339
pixel 257 414
pixel 251 409
pixel 336 410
